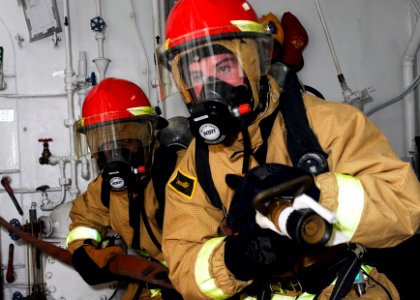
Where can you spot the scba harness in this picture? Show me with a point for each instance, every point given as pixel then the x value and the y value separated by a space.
pixel 307 154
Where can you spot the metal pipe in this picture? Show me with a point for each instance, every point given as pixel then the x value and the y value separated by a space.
pixel 18 96
pixel 410 110
pixel 158 9
pixel 395 99
pixel 63 181
pixel 346 91
pixel 328 36
pixel 101 62
pixel 13 54
pixel 143 49
pixel 415 6
pixel 69 79
pixel 30 190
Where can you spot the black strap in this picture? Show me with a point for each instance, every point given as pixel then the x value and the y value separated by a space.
pixel 134 218
pixel 301 140
pixel 313 91
pixel 265 127
pixel 105 194
pixel 348 272
pixel 134 208
pixel 164 163
pixel 148 227
pixel 204 174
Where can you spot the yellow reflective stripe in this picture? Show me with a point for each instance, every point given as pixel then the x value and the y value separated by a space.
pixel 304 296
pixel 203 278
pixel 246 297
pixel 246 25
pixel 163 263
pixel 367 268
pixel 155 292
pixel 350 204
pixel 83 232
pixel 141 110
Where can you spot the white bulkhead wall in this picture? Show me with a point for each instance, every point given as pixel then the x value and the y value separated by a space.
pixel 369 38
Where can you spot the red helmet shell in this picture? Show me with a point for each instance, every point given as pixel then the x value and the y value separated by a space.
pixel 114 99
pixel 188 16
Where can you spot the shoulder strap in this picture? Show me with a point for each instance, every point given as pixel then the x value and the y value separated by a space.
pixel 147 223
pixel 105 194
pixel 303 147
pixel 164 163
pixel 265 127
pixel 204 174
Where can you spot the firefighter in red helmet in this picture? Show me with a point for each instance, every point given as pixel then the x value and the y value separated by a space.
pixel 245 121
pixel 117 129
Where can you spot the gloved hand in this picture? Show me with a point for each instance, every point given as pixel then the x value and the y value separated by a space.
pixel 90 262
pixel 241 215
pixel 262 254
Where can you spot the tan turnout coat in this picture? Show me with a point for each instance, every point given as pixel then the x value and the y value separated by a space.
pixel 88 210
pixel 355 146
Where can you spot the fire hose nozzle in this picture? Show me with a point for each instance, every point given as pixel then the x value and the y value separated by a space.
pixel 300 217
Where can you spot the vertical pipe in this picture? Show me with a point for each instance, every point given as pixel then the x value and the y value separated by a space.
pixel 68 79
pixel 410 110
pixel 158 29
pixel 101 62
pixel 345 89
pixel 99 35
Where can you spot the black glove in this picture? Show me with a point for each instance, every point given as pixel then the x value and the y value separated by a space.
pixel 170 294
pixel 241 215
pixel 260 255
pixel 90 262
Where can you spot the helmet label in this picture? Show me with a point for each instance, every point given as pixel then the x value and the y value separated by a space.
pixel 116 183
pixel 209 131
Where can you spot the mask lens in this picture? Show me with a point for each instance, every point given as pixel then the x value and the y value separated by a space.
pixel 203 72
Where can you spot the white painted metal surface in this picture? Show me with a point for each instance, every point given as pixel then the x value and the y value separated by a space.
pixel 45 90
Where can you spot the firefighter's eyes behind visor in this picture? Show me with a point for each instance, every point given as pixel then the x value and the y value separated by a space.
pixel 118 135
pixel 205 73
pixel 130 144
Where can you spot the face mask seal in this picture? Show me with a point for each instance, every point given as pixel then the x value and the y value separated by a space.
pixel 120 167
pixel 219 111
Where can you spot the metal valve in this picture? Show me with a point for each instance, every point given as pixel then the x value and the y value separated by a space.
pixel 45 156
pixel 97 24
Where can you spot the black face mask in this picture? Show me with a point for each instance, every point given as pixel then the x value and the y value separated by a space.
pixel 119 167
pixel 218 111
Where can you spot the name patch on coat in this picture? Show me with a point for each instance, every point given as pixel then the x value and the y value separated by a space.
pixel 183 184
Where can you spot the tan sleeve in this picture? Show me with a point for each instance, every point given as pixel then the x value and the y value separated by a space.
pixel 87 210
pixel 391 191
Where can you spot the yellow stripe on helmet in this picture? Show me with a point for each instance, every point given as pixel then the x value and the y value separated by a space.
pixel 141 110
pixel 246 25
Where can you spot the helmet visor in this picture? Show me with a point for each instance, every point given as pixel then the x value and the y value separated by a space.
pixel 135 134
pixel 236 58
